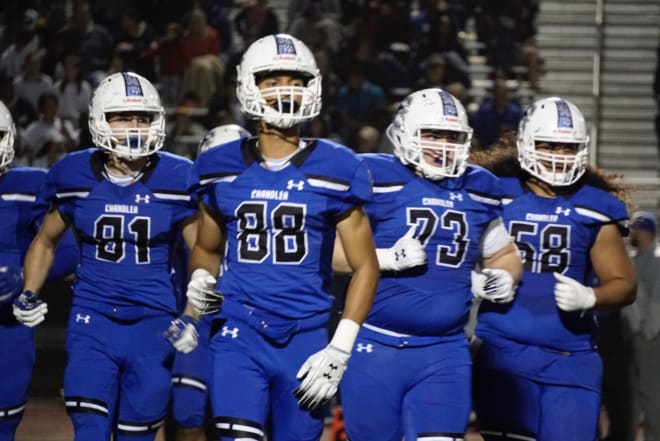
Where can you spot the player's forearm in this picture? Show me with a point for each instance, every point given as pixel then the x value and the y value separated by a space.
pixel 205 259
pixel 361 291
pixel 38 261
pixel 615 293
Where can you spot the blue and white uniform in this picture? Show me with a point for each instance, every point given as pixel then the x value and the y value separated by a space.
pixel 280 230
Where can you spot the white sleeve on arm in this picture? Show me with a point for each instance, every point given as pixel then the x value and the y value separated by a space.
pixel 494 238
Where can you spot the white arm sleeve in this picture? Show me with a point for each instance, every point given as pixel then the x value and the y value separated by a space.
pixel 494 238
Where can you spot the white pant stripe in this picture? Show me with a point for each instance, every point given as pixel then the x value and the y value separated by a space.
pixel 245 428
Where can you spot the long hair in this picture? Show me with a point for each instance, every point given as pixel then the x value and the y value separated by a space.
pixel 502 160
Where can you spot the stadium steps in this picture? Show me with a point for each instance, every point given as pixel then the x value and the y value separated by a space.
pixel 627 142
pixel 568 39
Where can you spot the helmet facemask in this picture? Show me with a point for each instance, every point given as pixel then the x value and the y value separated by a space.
pixel 553 122
pixel 129 94
pixel 555 169
pixel 130 143
pixel 281 106
pixel 431 134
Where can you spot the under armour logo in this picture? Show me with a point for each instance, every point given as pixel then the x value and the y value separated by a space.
pixel 564 211
pixel 83 318
pixel 366 348
pixel 226 331
pixel 401 254
pixel 455 196
pixel 297 185
pixel 144 198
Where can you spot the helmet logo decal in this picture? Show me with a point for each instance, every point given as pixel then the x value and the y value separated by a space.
pixel 285 46
pixel 448 106
pixel 564 117
pixel 133 87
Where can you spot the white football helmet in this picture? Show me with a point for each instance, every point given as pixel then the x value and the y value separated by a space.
pixel 553 120
pixel 292 104
pixel 221 135
pixel 7 136
pixel 127 92
pixel 431 109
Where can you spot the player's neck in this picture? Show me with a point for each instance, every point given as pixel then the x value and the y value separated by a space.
pixel 122 167
pixel 277 143
pixel 540 188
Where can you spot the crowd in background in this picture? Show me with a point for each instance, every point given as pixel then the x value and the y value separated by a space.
pixel 371 54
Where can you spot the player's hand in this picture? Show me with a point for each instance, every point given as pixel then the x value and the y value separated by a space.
pixel 11 282
pixel 494 285
pixel 320 376
pixel 29 310
pixel 407 252
pixel 201 293
pixel 182 333
pixel 571 295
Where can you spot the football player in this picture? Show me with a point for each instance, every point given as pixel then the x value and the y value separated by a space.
pixel 537 372
pixel 190 372
pixel 126 202
pixel 22 209
pixel 410 370
pixel 278 201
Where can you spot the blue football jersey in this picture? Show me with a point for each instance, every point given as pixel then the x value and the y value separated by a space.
pixel 127 234
pixel 21 211
pixel 449 217
pixel 552 235
pixel 280 225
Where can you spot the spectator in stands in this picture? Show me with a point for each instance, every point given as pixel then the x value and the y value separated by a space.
pixel 393 73
pixel 357 101
pixel 37 134
pixel 53 149
pixel 73 90
pixel 186 133
pixel 646 330
pixel 31 84
pixel 217 15
pixel 203 70
pixel 388 22
pixel 297 8
pixel 169 56
pixel 24 41
pixel 20 109
pixel 255 20
pixel 435 72
pixel 439 35
pixel 496 115
pixel 317 28
pixel 137 44
pixel 92 41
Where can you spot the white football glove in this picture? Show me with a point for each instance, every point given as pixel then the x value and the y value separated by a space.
pixel 182 333
pixel 407 252
pixel 29 310
pixel 571 295
pixel 201 293
pixel 494 285
pixel 322 371
pixel 321 374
